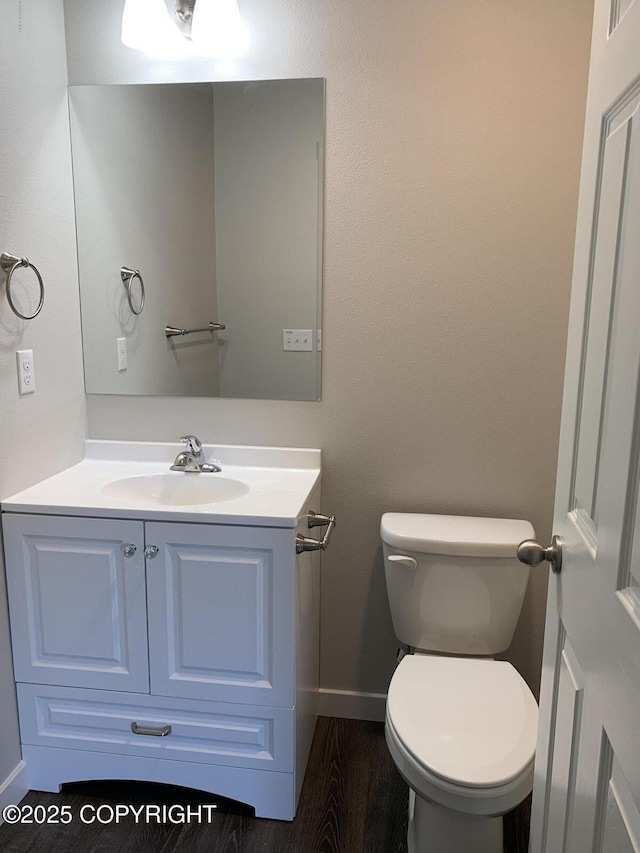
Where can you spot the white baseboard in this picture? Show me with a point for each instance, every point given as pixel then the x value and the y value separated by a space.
pixel 351 704
pixel 14 787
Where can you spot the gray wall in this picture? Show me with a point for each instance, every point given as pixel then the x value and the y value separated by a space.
pixel 144 190
pixel 41 433
pixel 266 139
pixel 453 146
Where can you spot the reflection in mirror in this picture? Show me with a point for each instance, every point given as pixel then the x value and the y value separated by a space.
pixel 210 197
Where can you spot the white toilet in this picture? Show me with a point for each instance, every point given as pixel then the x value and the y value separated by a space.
pixel 460 726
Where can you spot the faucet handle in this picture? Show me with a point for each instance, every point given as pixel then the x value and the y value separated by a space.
pixel 194 445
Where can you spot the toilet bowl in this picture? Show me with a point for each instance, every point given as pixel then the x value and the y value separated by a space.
pixel 462 733
pixel 461 730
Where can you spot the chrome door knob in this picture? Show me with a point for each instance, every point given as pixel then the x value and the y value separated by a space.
pixel 128 550
pixel 533 553
pixel 151 552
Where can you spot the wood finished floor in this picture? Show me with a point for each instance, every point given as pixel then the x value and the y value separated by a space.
pixel 353 801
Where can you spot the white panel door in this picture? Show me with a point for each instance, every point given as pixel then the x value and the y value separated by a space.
pixel 221 613
pixel 77 603
pixel 587 780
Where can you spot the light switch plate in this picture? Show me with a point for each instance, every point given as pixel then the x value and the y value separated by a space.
pixel 297 340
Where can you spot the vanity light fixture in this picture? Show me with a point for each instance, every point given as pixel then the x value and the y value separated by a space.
pixel 146 26
pixel 177 28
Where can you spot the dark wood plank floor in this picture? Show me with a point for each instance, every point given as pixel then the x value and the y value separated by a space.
pixel 353 801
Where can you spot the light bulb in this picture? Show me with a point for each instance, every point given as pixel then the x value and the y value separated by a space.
pixel 146 26
pixel 218 29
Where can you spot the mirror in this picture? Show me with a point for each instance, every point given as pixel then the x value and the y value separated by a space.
pixel 206 200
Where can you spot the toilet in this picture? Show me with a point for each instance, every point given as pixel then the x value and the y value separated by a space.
pixel 460 726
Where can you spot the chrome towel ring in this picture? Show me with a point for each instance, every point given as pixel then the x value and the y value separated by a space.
pixel 10 264
pixel 128 276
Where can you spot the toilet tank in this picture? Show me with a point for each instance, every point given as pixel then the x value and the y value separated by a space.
pixel 454 582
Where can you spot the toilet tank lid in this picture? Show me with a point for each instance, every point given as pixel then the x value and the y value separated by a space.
pixel 457 535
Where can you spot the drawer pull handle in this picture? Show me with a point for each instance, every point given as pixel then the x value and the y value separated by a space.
pixel 128 550
pixel 151 552
pixel 163 731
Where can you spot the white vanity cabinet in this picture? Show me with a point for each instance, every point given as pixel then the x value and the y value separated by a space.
pixel 184 653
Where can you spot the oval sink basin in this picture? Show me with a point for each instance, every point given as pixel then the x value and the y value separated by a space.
pixel 174 489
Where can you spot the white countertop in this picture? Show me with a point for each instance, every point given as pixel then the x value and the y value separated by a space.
pixel 279 482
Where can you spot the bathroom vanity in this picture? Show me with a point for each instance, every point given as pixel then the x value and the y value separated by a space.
pixel 164 627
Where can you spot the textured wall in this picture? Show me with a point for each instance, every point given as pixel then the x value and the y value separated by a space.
pixel 453 146
pixel 41 433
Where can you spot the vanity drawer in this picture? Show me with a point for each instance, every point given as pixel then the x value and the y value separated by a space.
pixel 208 732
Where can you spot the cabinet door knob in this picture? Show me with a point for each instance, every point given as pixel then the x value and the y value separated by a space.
pixel 151 551
pixel 128 550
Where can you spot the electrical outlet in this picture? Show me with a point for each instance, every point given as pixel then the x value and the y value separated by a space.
pixel 297 340
pixel 121 344
pixel 26 372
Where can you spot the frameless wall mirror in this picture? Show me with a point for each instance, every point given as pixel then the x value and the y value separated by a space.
pixel 200 206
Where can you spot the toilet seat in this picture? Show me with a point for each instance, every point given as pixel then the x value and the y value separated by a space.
pixel 464 730
pixel 481 802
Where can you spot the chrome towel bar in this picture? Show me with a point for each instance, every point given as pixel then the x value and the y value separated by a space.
pixel 314 519
pixel 171 331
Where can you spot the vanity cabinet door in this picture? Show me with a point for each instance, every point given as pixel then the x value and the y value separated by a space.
pixel 77 603
pixel 221 610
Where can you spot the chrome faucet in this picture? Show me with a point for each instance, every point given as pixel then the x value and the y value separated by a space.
pixel 192 459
